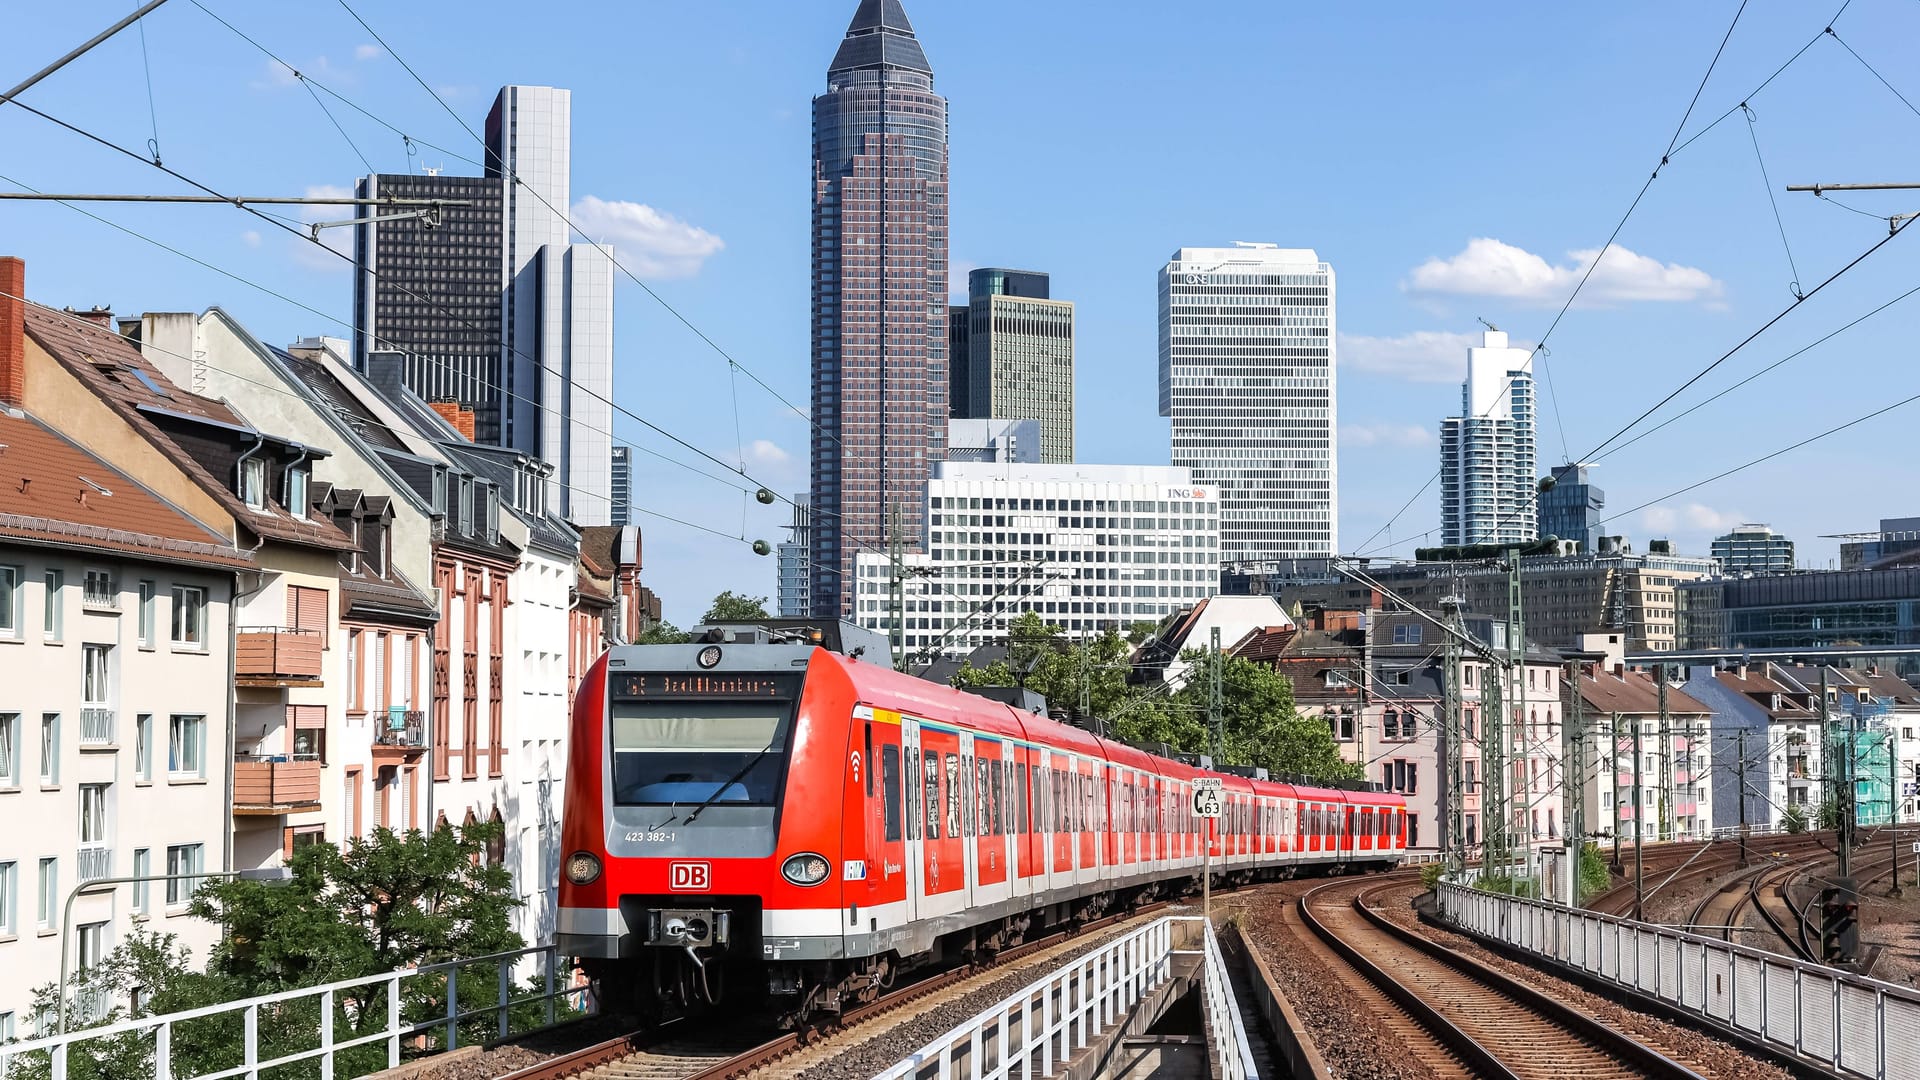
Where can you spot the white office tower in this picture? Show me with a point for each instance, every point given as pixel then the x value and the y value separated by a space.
pixel 1086 547
pixel 795 561
pixel 1247 376
pixel 1487 452
pixel 558 308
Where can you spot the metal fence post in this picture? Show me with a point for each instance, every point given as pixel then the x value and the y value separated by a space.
pixel 393 1021
pixel 453 1007
pixel 326 1035
pixel 162 1053
pixel 505 996
pixel 251 1047
pixel 551 956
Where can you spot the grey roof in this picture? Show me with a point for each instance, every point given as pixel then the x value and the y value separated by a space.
pixel 324 386
pixel 880 37
pixel 497 464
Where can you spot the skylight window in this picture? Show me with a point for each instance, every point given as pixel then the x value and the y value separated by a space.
pixel 147 381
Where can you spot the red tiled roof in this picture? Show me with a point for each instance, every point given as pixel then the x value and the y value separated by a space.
pixel 53 491
pixel 1633 692
pixel 113 368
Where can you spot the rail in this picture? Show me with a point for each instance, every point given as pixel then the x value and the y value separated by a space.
pixel 1036 1030
pixel 352 1004
pixel 1855 1025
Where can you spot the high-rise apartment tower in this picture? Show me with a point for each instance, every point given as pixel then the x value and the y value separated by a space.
pixel 879 297
pixel 1247 374
pixel 1487 452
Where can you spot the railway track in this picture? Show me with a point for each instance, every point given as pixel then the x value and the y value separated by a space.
pixel 1459 1016
pixel 682 1051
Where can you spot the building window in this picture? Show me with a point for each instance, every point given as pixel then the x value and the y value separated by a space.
pixel 9 750
pixel 142 867
pixel 146 614
pixel 50 615
pixel 49 749
pixel 49 890
pixel 96 677
pixel 1407 634
pixel 189 617
pixel 10 578
pixel 97 589
pixel 143 747
pixel 297 492
pixel 9 903
pixel 1413 830
pixel 186 750
pixel 183 860
pixel 307 610
pixel 253 482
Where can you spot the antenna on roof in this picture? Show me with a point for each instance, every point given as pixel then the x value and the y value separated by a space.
pixel 1488 325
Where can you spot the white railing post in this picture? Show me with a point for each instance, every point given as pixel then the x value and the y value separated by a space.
pixel 393 1021
pixel 973 1054
pixel 326 1035
pixel 163 1052
pixel 1026 1038
pixel 251 1046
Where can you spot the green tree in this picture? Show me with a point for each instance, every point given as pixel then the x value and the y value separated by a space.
pixel 1259 723
pixel 1829 812
pixel 1794 819
pixel 730 606
pixel 663 633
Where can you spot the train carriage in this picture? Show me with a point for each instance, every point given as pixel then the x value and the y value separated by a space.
pixel 764 820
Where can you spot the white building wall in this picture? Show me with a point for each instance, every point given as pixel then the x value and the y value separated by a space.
pixel 1100 545
pixel 1248 376
pixel 586 466
pixel 148 809
pixel 536 723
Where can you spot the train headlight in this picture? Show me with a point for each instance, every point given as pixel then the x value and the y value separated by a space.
pixel 583 868
pixel 805 868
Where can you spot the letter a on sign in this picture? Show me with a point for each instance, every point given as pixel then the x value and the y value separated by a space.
pixel 1206 796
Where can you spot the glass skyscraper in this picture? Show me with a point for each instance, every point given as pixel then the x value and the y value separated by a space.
pixel 1570 509
pixel 879 296
pixel 1247 374
pixel 1487 452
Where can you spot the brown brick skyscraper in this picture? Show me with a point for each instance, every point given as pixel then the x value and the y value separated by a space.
pixel 879 296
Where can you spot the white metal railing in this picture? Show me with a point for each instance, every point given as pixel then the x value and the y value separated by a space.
pixel 94 862
pixel 1227 1041
pixel 96 724
pixel 1859 1026
pixel 1035 1031
pixel 352 1002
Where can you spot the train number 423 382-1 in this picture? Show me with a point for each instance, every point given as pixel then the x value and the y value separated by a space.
pixel 649 838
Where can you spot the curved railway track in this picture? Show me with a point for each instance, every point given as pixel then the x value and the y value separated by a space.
pixel 1462 1017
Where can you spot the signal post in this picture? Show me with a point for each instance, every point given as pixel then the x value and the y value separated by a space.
pixel 1206 806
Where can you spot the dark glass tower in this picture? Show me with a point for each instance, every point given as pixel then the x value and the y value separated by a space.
pixel 879 296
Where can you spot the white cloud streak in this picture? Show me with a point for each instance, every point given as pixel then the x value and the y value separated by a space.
pixel 649 242
pixel 1435 356
pixel 1692 516
pixel 1489 267
pixel 767 452
pixel 1356 435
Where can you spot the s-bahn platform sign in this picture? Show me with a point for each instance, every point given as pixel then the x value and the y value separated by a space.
pixel 1206 796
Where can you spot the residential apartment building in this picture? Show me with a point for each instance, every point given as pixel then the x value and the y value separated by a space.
pixel 1753 549
pixel 879 325
pixel 1670 793
pixel 1767 735
pixel 1247 375
pixel 1086 547
pixel 1571 508
pixel 1019 357
pixel 1487 452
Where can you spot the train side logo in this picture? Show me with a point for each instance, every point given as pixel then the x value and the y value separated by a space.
pixel 689 876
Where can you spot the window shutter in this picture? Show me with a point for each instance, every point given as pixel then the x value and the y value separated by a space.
pixel 307 610
pixel 308 717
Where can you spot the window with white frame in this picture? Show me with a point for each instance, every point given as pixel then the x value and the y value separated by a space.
pixel 143 747
pixel 189 616
pixel 297 491
pixel 49 749
pixel 253 482
pixel 98 589
pixel 9 903
pixel 10 578
pixel 9 750
pixel 50 617
pixel 186 746
pixel 96 675
pixel 147 590
pixel 93 814
pixel 7 1032
pixel 142 867
pixel 48 892
pixel 183 860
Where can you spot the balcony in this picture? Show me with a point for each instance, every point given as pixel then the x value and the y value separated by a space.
pixel 96 726
pixel 276 656
pixel 403 731
pixel 269 785
pixel 94 862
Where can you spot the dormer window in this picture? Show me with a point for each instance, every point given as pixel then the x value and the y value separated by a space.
pixel 440 492
pixel 465 506
pixel 253 483
pixel 297 491
pixel 493 514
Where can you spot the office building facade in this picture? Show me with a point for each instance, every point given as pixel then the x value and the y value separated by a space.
pixel 1571 508
pixel 1812 610
pixel 1018 361
pixel 793 597
pixel 1487 452
pixel 994 440
pixel 879 323
pixel 621 510
pixel 495 310
pixel 1895 537
pixel 1247 375
pixel 1086 547
pixel 1753 549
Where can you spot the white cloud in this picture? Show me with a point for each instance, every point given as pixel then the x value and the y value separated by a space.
pixel 275 76
pixel 338 239
pixel 1437 356
pixel 767 452
pixel 1696 517
pixel 251 237
pixel 1489 267
pixel 368 51
pixel 649 242
pixel 957 271
pixel 1384 435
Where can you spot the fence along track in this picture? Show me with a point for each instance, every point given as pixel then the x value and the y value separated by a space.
pixel 1494 1025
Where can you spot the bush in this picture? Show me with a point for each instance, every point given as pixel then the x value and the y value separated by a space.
pixel 1794 819
pixel 1509 885
pixel 1594 877
pixel 1431 874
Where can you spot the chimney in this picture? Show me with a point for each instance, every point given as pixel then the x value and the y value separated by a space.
pixel 99 316
pixel 13 330
pixel 167 341
pixel 1620 670
pixel 460 416
pixel 383 371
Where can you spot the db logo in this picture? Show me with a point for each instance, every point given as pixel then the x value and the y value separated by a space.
pixel 689 876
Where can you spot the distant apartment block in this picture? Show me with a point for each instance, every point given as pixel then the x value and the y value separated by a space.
pixel 1753 549
pixel 1487 452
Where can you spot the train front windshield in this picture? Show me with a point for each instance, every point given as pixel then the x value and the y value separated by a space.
pixel 692 752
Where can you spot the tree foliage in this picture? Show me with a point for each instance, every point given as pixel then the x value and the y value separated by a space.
pixel 663 633
pixel 390 901
pixel 730 606
pixel 1261 724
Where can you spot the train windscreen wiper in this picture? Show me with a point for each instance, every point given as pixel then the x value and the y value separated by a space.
pixel 732 780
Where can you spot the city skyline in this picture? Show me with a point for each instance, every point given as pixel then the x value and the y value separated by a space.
pixel 1418 260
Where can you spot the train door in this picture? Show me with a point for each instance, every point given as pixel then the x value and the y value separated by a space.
pixel 970 796
pixel 881 864
pixel 914 805
pixel 1060 770
pixel 990 880
pixel 944 866
pixel 1086 791
pixel 1026 807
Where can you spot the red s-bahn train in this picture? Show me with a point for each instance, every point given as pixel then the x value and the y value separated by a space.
pixel 763 821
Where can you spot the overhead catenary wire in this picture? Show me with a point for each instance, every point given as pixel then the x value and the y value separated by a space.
pixel 1767 184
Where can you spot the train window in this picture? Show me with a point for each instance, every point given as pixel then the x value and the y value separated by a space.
pixel 933 794
pixel 868 760
pixel 953 795
pixel 687 753
pixel 912 794
pixel 1022 805
pixel 890 795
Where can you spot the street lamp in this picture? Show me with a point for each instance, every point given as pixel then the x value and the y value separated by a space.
pixel 271 874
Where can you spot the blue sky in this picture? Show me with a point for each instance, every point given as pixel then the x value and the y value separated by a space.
pixel 1450 161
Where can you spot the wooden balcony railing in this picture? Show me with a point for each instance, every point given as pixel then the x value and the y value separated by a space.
pixel 274 655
